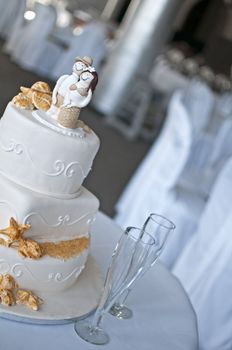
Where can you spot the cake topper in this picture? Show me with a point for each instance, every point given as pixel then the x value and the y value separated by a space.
pixel 73 92
pixel 60 109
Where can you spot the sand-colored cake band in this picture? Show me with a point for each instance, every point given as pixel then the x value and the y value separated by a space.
pixel 65 249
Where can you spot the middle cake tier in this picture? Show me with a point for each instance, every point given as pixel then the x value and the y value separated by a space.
pixel 51 219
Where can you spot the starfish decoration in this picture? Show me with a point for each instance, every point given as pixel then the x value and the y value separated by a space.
pixel 15 231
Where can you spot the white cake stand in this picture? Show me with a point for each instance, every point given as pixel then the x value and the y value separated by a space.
pixel 63 307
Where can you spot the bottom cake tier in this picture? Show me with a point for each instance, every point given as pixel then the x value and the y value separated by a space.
pixel 46 274
pixel 62 307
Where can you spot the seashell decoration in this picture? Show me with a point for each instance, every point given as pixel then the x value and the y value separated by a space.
pixel 23 101
pixel 10 294
pixel 7 297
pixel 38 96
pixel 41 86
pixel 41 100
pixel 29 248
pixel 7 282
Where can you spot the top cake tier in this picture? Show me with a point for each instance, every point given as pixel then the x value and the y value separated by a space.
pixel 42 159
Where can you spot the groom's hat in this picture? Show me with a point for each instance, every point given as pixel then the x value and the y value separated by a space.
pixel 86 60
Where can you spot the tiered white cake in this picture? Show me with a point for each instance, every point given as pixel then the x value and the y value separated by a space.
pixel 41 176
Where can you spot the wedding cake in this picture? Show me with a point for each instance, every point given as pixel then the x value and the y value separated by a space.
pixel 45 213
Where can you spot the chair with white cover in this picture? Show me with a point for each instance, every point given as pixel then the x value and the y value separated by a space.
pixel 54 47
pixel 9 10
pixel 156 191
pixel 157 175
pixel 17 27
pixel 205 266
pixel 205 162
pixel 57 42
pixel 90 42
pixel 34 36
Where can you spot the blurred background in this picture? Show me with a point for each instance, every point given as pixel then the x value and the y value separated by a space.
pixel 163 112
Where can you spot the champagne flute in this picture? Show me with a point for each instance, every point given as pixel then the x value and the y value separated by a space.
pixel 159 228
pixel 126 265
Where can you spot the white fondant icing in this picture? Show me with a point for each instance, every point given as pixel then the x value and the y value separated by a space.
pixel 7 209
pixel 35 156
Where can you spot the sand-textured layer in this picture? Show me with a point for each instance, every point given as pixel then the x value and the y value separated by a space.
pixel 65 249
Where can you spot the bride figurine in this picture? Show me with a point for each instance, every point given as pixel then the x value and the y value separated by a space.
pixel 77 96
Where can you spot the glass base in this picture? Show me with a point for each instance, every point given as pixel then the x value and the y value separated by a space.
pixel 121 312
pixel 95 336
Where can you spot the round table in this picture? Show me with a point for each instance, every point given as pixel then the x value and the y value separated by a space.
pixel 163 317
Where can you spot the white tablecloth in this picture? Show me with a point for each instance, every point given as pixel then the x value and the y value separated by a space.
pixel 163 316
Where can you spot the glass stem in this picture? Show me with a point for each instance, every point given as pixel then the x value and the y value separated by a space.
pixel 121 300
pixel 95 323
